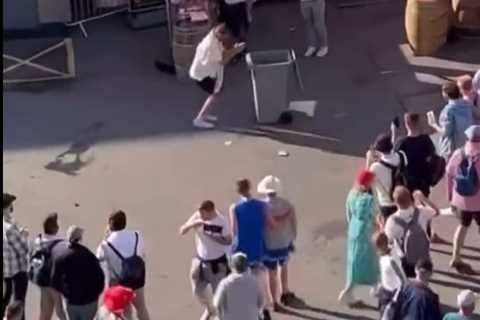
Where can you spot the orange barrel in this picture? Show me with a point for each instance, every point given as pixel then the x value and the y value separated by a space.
pixel 427 23
pixel 467 15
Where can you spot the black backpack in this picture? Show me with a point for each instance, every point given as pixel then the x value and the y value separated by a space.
pixel 40 264
pixel 399 175
pixel 132 273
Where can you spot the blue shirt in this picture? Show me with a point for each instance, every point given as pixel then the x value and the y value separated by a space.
pixel 251 223
pixel 455 118
pixel 416 301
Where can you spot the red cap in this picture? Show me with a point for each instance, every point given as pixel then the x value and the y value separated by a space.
pixel 365 178
pixel 116 299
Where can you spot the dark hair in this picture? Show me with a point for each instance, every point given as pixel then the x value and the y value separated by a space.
pixel 424 264
pixel 380 240
pixel 243 186
pixel 451 90
pixel 8 199
pixel 383 143
pixel 412 118
pixel 207 205
pixel 14 309
pixel 50 224
pixel 117 220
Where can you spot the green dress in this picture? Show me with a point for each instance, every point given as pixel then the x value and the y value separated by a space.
pixel 362 261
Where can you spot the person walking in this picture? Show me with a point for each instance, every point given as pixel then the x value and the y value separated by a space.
pixel 391 273
pixel 466 304
pixel 239 296
pixel 207 67
pixel 419 150
pixel 50 299
pixel 466 205
pixel 416 300
pixel 279 241
pixel 77 276
pixel 362 262
pixel 454 119
pixel 314 12
pixel 122 256
pixel 15 257
pixel 384 164
pixel 209 266
pixel 407 228
pixel 249 219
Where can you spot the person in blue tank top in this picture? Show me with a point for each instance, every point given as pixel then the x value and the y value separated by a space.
pixel 249 219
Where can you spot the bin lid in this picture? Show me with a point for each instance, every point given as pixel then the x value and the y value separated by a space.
pixel 269 58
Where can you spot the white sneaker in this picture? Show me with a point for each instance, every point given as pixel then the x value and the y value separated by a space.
pixel 322 52
pixel 210 117
pixel 202 124
pixel 310 51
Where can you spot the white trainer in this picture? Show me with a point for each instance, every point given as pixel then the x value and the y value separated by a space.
pixel 322 52
pixel 202 124
pixel 310 51
pixel 211 117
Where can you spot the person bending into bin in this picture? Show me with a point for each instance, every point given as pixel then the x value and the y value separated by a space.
pixel 211 55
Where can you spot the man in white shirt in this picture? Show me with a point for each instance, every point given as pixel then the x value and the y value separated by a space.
pixel 383 162
pixel 239 296
pixel 212 240
pixel 210 57
pixel 127 243
pixel 406 209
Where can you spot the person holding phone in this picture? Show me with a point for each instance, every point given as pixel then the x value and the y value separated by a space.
pixel 211 55
pixel 210 265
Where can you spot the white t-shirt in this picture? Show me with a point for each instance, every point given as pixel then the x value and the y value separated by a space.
pixel 207 61
pixel 208 249
pixel 396 232
pixel 124 242
pixel 383 178
pixel 390 278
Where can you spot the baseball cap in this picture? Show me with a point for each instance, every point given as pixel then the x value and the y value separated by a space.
pixel 8 199
pixel 466 298
pixel 473 133
pixel 116 299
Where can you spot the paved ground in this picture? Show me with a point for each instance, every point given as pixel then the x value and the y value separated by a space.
pixel 130 127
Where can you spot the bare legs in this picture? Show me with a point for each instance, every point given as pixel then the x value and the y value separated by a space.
pixel 207 106
pixel 458 240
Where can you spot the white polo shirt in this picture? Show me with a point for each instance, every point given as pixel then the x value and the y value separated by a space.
pixel 207 61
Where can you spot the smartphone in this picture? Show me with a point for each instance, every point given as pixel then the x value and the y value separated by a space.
pixel 396 122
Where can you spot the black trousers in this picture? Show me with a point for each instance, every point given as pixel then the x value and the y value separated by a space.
pixel 236 19
pixel 15 287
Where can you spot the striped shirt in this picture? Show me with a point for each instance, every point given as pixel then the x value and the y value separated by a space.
pixel 15 250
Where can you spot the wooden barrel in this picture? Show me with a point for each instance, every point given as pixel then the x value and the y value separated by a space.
pixel 427 23
pixel 467 15
pixel 186 37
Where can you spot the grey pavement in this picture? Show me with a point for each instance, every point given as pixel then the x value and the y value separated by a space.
pixel 120 136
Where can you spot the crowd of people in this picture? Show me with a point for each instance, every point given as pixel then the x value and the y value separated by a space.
pixel 390 251
pixel 240 269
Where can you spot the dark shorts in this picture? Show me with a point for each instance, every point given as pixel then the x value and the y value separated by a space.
pixel 277 257
pixel 466 218
pixel 387 211
pixel 207 85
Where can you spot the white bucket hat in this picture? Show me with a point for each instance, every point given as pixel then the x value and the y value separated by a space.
pixel 269 184
pixel 473 133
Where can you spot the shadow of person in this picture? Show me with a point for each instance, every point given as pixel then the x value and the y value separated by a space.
pixel 63 165
pixel 297 304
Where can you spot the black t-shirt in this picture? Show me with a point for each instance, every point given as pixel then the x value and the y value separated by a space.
pixel 418 150
pixel 76 273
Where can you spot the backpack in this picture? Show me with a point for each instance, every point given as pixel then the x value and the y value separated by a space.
pixel 466 180
pixel 399 176
pixel 437 166
pixel 132 273
pixel 415 244
pixel 40 264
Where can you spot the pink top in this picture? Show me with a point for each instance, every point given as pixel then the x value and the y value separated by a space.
pixel 471 203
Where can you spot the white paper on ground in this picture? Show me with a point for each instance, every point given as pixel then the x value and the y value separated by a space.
pixel 306 106
pixel 447 212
